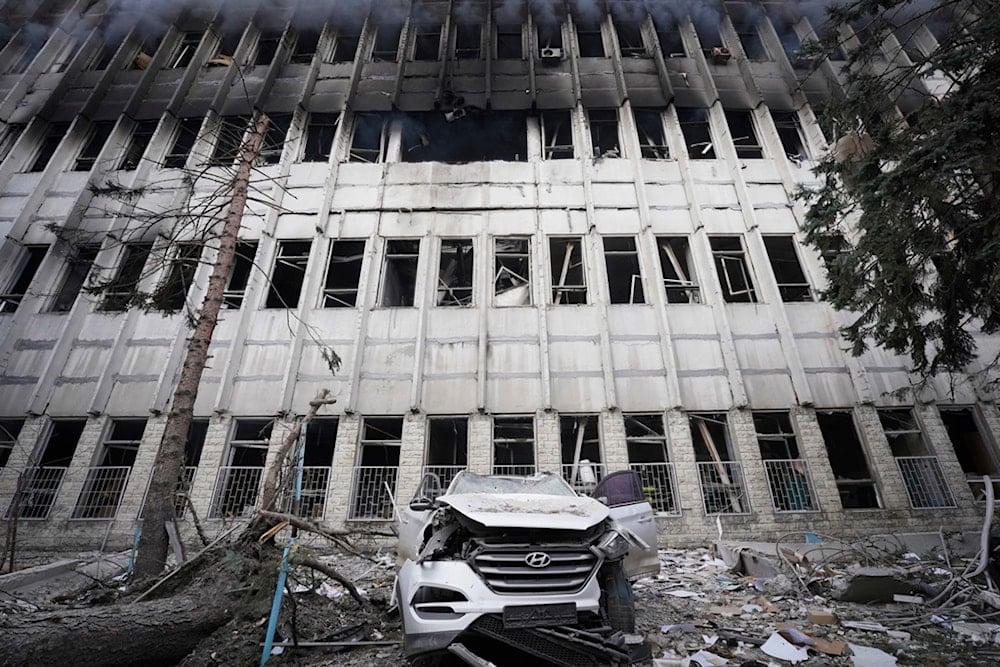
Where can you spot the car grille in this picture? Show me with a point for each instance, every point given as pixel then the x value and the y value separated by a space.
pixel 505 570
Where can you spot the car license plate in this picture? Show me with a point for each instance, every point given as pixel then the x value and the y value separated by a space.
pixel 539 615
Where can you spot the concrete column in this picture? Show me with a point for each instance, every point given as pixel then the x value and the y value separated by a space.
pixel 411 457
pixel 612 430
pixel 681 449
pixel 548 448
pixel 880 459
pixel 212 457
pixel 142 471
pixel 812 448
pixel 480 453
pixel 939 444
pixel 21 457
pixel 747 452
pixel 345 455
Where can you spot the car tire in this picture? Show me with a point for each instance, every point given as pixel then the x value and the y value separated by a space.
pixel 616 598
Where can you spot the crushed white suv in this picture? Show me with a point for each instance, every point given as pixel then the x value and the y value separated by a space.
pixel 527 563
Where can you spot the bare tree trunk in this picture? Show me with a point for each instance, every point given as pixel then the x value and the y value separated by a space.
pixel 159 506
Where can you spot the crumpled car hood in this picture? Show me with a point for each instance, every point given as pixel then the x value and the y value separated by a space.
pixel 523 510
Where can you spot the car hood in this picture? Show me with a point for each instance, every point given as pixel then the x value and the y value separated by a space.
pixel 523 510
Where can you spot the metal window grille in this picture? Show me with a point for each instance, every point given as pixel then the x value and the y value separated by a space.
pixel 372 488
pixel 236 491
pixel 315 482
pixel 791 485
pixel 444 474
pixel 925 482
pixel 514 470
pixel 181 497
pixel 102 492
pixel 659 484
pixel 39 490
pixel 723 490
pixel 584 476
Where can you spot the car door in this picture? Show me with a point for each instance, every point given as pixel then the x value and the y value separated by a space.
pixel 414 517
pixel 622 493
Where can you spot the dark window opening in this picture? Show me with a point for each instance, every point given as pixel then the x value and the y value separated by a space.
pixel 54 134
pixel 468 41
pixel 380 442
pixel 513 445
pixel 250 441
pixel 579 439
pixel 41 483
pixel 753 45
pixel 10 137
pixel 319 136
pixel 183 55
pixel 399 273
pixel 652 138
pixel 604 132
pixel 448 442
pixel 103 57
pixel 569 283
pixel 142 134
pixel 427 41
pixel 9 430
pixel 512 271
pixel 464 136
pixel 509 45
pixel 346 46
pixel 306 43
pixel 343 274
pixel 589 40
pixel 120 291
pixel 550 40
pixel 289 274
pixel 679 280
pixel 274 138
pixel 321 441
pixel 695 128
pixel 557 134
pixel 77 269
pixel 60 446
pixel 455 273
pixel 186 135
pixel 122 444
pixel 787 473
pixel 902 432
pixel 226 51
pixel 386 43
pixel 171 295
pixel 98 136
pixel 775 436
pixel 646 439
pixel 668 33
pixel 239 277
pixel 227 147
pixel 267 47
pixel 238 482
pixel 972 448
pixel 710 435
pixel 26 268
pixel 630 38
pixel 144 56
pixel 733 269
pixel 621 257
pixel 744 136
pixel 195 442
pixel 851 471
pixel 791 135
pixel 792 282
pixel 719 475
pixel 370 138
pixel 706 25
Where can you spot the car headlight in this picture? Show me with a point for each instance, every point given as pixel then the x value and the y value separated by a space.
pixel 613 545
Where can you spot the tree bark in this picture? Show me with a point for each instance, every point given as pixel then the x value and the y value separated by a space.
pixel 169 464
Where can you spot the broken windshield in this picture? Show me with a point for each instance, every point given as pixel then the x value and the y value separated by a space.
pixel 540 484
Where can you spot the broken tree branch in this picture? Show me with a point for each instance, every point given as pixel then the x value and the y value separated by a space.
pixel 314 564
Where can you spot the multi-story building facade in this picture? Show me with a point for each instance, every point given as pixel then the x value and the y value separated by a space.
pixel 538 236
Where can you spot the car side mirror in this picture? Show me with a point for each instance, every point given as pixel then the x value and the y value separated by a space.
pixel 421 504
pixel 602 499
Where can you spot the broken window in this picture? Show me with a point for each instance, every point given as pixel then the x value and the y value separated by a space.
pixel 749 36
pixel 706 25
pixel 447 449
pixel 10 137
pixel 630 38
pixel 668 33
pixel 226 50
pixel 343 273
pixel 509 41
pixel 569 283
pixel 853 476
pixel 787 473
pixel 317 459
pixel 103 57
pixel 744 136
pixel 580 442
pixel 455 273
pixel 695 128
pixel 289 274
pixel 513 445
pixel 9 430
pixel 306 43
pixel 184 140
pixel 346 45
pixel 646 442
pixel 588 38
pixel 25 268
pixel 40 484
pixel 267 46
pixel 550 42
pixel 370 138
pixel 793 140
pixel 679 280
pixel 399 272
pixel 604 132
pixel 386 46
pixel 733 269
pixel 652 139
pixel 918 466
pixel 142 134
pixel 426 41
pixel 227 146
pixel 468 41
pixel 144 55
pixel 274 138
pixel 319 136
pixel 120 290
pixel 461 136
pixel 54 134
pixel 511 271
pixel 621 257
pixel 183 54
pixel 171 295
pixel 374 482
pixel 105 483
pixel 721 477
pixel 78 266
pixel 239 276
pixel 238 481
pixel 792 282
pixel 975 453
pixel 557 134
pixel 96 138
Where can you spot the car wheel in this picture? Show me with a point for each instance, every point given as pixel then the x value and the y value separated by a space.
pixel 616 598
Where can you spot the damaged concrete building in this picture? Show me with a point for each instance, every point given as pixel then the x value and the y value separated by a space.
pixel 552 236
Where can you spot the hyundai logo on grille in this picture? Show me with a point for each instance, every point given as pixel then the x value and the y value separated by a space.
pixel 538 559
